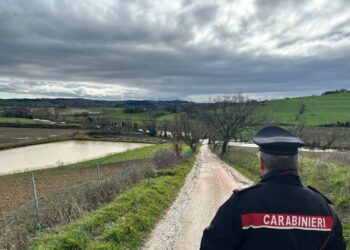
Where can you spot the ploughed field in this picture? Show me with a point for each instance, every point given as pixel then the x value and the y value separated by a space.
pixel 16 189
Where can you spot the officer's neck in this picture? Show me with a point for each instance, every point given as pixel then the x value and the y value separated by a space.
pixel 264 171
pixel 282 176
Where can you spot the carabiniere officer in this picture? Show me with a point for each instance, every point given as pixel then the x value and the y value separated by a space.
pixel 278 213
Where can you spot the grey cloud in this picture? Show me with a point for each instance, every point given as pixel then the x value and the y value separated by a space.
pixel 170 49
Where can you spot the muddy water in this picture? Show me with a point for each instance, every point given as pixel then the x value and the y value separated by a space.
pixel 55 154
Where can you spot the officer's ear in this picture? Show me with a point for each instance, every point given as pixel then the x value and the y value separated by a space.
pixel 298 166
pixel 262 165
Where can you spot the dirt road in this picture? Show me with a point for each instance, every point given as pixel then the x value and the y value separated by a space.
pixel 208 185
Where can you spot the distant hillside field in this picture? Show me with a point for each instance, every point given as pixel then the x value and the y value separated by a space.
pixel 319 110
pixel 119 114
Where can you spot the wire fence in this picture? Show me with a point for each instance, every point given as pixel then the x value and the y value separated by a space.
pixel 67 204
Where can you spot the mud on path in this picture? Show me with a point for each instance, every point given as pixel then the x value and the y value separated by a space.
pixel 209 184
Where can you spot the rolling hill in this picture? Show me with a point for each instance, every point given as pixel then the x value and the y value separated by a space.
pixel 319 110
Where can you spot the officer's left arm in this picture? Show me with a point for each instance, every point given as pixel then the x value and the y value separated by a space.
pixel 337 242
pixel 224 231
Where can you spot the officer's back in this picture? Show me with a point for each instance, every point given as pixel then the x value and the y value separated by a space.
pixel 279 212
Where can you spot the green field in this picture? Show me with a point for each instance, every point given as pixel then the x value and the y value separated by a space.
pixel 319 110
pixel 19 120
pixel 119 114
pixel 330 176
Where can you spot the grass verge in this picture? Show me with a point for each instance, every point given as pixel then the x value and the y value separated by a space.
pixel 127 221
pixel 332 178
pixel 134 154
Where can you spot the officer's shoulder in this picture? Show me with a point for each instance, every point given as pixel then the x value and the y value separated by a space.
pixel 246 188
pixel 318 192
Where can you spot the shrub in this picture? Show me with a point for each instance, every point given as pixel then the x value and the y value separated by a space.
pixel 164 158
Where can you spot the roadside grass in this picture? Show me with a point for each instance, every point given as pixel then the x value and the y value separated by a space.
pixel 137 138
pixel 318 110
pixel 330 177
pixel 134 154
pixel 127 221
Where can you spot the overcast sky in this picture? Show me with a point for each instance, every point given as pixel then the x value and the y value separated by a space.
pixel 190 49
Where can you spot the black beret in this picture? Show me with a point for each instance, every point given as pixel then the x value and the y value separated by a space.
pixel 277 141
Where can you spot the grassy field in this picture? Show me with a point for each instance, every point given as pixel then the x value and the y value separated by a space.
pixel 73 111
pixel 15 189
pixel 328 173
pixel 318 109
pixel 23 136
pixel 19 120
pixel 127 221
pixel 31 123
pixel 119 114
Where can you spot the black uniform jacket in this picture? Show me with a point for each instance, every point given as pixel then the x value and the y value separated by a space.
pixel 276 214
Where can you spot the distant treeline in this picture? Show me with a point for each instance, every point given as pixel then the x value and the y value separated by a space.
pixel 39 125
pixel 88 103
pixel 338 124
pixel 335 91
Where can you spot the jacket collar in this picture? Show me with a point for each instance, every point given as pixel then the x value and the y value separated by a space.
pixel 288 177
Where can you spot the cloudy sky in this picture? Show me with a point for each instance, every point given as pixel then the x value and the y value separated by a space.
pixel 179 49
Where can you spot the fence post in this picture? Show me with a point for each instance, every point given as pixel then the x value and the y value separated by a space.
pixel 37 218
pixel 98 172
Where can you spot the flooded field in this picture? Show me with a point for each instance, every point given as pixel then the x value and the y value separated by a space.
pixel 58 153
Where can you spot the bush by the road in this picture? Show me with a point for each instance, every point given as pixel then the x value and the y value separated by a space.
pixel 164 158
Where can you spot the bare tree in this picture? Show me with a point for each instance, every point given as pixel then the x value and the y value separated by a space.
pixel 175 129
pixel 191 130
pixel 150 123
pixel 164 126
pixel 299 122
pixel 230 115
pixel 212 135
pixel 330 140
pixel 88 122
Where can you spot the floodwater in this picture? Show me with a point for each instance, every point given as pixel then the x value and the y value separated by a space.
pixel 58 153
pixel 252 145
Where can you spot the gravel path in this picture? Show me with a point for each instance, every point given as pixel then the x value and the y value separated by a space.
pixel 209 184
